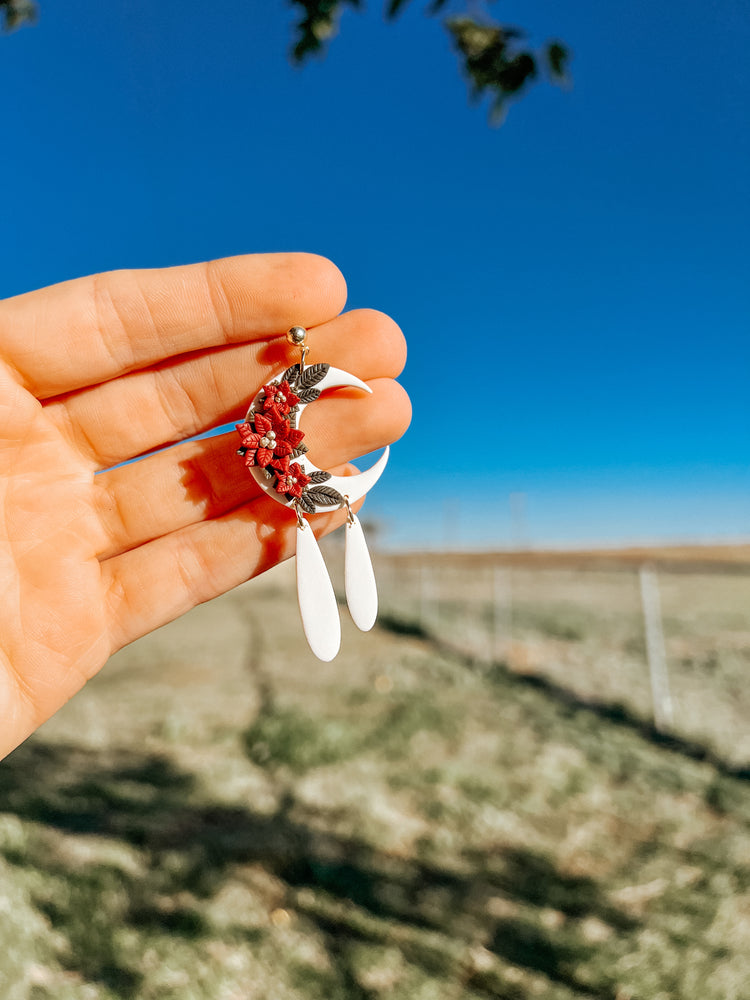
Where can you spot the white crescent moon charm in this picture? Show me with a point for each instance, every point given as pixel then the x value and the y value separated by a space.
pixel 275 455
pixel 273 449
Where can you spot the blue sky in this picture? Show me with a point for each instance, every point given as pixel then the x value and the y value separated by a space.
pixel 585 266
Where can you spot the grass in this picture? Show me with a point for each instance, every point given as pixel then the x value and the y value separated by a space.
pixel 581 627
pixel 218 816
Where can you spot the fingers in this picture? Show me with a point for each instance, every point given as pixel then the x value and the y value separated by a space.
pixel 155 583
pixel 203 480
pixel 83 332
pixel 142 411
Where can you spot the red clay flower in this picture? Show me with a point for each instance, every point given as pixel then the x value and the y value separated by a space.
pixel 258 440
pixel 287 438
pixel 293 482
pixel 266 439
pixel 279 398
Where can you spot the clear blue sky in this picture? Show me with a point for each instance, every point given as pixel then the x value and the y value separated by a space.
pixel 584 267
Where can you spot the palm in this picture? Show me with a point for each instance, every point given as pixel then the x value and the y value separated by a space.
pixel 98 371
pixel 52 620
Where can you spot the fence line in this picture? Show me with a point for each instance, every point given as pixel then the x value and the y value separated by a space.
pixel 622 635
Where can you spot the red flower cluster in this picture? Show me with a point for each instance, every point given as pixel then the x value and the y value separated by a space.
pixel 293 482
pixel 278 398
pixel 269 440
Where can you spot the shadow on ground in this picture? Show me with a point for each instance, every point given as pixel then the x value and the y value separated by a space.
pixel 348 890
pixel 612 712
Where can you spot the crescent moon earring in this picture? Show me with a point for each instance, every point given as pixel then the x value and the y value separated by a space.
pixel 274 453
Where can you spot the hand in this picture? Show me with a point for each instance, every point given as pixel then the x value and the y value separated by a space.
pixel 99 370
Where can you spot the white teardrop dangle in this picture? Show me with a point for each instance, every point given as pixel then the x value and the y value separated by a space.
pixel 359 576
pixel 317 600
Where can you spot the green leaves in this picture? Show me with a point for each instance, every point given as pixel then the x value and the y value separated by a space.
pixel 557 57
pixel 317 24
pixel 14 13
pixel 495 62
pixel 394 7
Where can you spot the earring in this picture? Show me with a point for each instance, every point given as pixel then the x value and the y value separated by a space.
pixel 273 449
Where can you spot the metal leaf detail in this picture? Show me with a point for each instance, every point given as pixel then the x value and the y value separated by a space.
pixel 324 496
pixel 320 476
pixel 312 375
pixel 299 450
pixel 308 395
pixel 291 375
pixel 304 502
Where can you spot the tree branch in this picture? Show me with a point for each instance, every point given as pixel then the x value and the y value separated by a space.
pixel 494 60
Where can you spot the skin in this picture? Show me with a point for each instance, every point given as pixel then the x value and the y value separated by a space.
pixel 98 370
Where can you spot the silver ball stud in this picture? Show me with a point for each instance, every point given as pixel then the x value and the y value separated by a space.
pixel 297 335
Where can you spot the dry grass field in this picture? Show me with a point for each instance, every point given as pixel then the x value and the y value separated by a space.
pixel 470 802
pixel 575 619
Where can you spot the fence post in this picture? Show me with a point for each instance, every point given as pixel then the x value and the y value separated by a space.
pixel 655 651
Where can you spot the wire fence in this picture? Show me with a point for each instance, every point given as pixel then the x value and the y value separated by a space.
pixel 670 646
